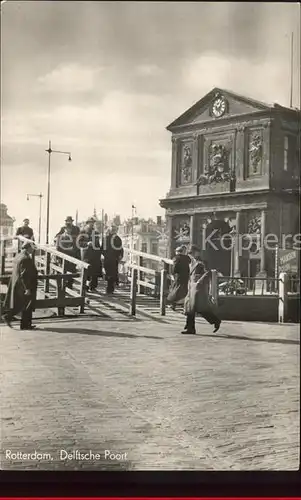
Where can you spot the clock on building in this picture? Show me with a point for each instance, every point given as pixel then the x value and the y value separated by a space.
pixel 219 106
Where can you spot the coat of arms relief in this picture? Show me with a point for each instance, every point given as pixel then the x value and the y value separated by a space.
pixel 217 170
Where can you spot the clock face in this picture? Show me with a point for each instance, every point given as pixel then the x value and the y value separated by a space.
pixel 219 106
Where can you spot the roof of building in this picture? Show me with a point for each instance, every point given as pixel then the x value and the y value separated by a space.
pixel 206 100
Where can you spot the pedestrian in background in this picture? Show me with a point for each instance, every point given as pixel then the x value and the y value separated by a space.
pixel 22 289
pixel 66 242
pixel 26 231
pixel 90 244
pixel 113 253
pixel 179 287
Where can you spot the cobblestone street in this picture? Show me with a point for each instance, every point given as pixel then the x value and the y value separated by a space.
pixel 160 399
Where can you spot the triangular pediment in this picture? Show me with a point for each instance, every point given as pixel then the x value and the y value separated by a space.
pixel 235 105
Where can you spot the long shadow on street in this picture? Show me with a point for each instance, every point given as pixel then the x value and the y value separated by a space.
pixel 100 333
pixel 103 333
pixel 254 339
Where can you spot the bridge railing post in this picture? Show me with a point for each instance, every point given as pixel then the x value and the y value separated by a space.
pixel 157 284
pixel 83 281
pixel 61 289
pixel 60 296
pixel 140 287
pixel 133 292
pixel 47 271
pixel 214 285
pixel 3 248
pixel 283 298
pixel 163 287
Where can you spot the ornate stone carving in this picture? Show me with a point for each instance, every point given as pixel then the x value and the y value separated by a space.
pixel 217 169
pixel 254 225
pixel 186 165
pixel 255 152
pixel 181 233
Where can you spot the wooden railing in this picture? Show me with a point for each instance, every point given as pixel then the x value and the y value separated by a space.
pixel 143 274
pixel 51 265
pixel 144 279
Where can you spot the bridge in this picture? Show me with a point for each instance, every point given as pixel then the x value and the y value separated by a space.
pixel 144 284
pixel 108 382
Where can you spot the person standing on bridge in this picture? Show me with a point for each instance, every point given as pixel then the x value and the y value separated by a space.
pixel 90 244
pixel 113 254
pixel 179 287
pixel 22 289
pixel 25 231
pixel 66 242
pixel 198 299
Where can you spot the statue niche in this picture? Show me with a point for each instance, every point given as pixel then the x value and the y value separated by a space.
pixel 186 165
pixel 255 153
pixel 218 169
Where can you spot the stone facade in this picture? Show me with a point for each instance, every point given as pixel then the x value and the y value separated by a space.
pixel 235 170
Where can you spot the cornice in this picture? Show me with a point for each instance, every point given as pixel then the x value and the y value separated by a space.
pixel 225 121
pixel 185 199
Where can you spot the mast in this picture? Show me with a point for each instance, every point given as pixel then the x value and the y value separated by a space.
pixel 292 69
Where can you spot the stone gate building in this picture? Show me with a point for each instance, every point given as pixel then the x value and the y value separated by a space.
pixel 235 175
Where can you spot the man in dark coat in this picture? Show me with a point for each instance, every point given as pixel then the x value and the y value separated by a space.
pixel 66 242
pixel 22 289
pixel 90 244
pixel 198 299
pixel 25 231
pixel 179 288
pixel 113 253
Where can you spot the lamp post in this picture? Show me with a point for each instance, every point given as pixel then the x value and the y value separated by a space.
pixel 40 211
pixel 50 151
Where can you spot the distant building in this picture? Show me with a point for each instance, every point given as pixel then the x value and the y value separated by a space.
pixel 6 223
pixel 145 236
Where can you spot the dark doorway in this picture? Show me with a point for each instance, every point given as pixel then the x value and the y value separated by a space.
pixel 253 270
pixel 218 248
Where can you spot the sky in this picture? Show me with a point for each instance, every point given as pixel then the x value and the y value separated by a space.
pixel 103 80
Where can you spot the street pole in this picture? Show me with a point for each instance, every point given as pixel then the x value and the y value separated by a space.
pixel 292 69
pixel 49 151
pixel 40 216
pixel 102 224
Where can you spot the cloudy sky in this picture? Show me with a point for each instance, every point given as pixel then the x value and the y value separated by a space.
pixel 104 79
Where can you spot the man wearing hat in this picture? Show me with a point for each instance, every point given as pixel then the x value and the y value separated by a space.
pixel 113 254
pixel 198 299
pixel 22 289
pixel 66 242
pixel 25 231
pixel 89 241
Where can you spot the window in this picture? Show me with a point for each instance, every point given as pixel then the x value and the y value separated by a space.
pixel 155 248
pixel 285 164
pixel 144 247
